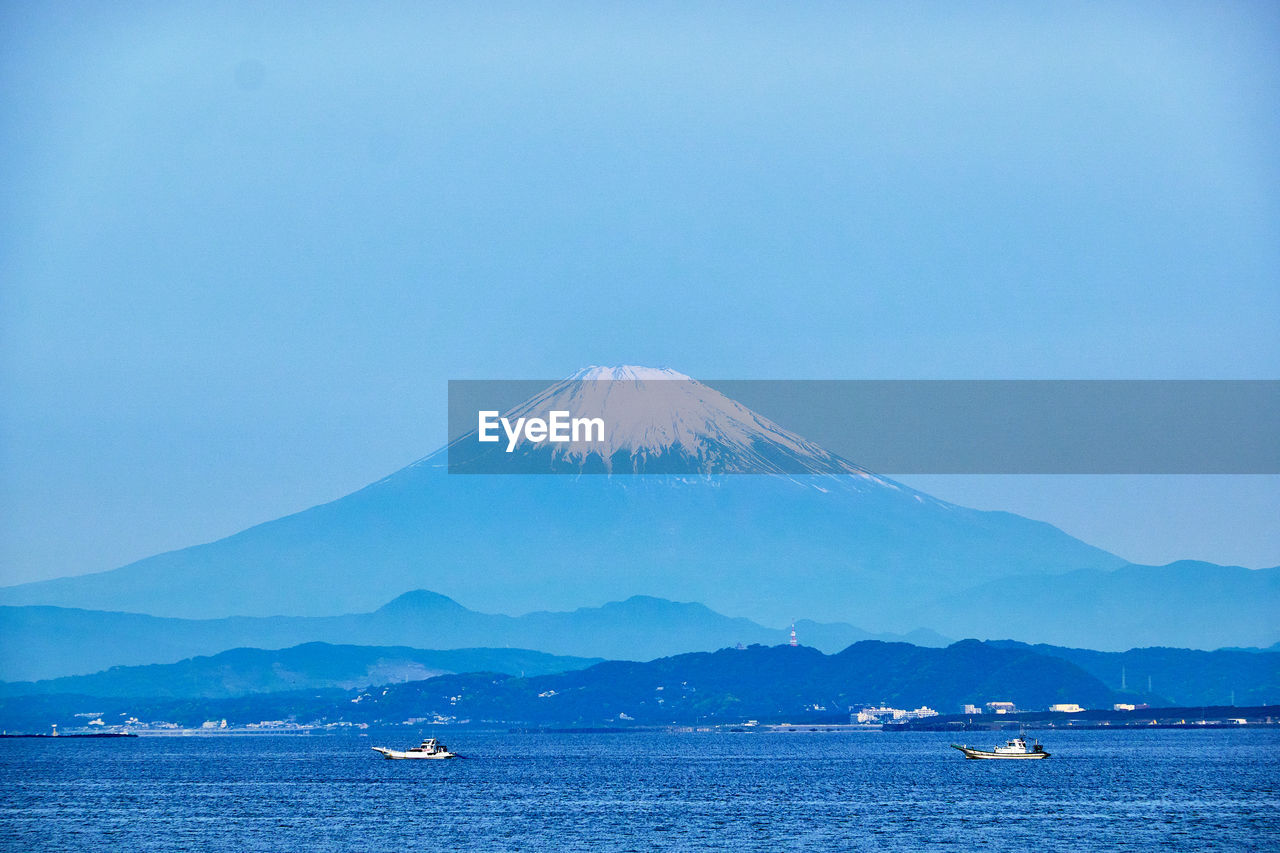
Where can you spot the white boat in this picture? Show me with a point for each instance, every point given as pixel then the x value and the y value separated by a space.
pixel 1016 748
pixel 430 748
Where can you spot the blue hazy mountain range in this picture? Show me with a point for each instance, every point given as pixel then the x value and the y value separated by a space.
pixel 240 672
pixel 730 685
pixel 49 642
pixel 1188 604
pixel 829 546
pixel 1156 676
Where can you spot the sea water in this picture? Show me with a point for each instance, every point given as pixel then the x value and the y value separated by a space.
pixel 1101 790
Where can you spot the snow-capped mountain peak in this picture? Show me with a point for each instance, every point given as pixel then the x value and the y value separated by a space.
pixel 655 420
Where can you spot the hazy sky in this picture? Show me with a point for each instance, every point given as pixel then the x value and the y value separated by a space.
pixel 243 246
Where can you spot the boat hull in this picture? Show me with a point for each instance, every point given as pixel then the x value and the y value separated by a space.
pixel 970 752
pixel 397 754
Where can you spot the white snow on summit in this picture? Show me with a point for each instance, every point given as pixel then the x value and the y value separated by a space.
pixel 596 373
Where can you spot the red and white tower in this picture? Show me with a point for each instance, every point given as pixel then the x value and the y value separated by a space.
pixel 793 633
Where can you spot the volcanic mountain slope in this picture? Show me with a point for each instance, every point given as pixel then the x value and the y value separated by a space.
pixel 838 544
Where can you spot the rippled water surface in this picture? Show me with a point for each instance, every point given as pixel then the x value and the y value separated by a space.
pixel 1177 790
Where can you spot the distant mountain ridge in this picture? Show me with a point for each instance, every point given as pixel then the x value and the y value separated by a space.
pixel 241 672
pixel 1176 676
pixel 1186 604
pixel 731 685
pixel 49 642
pixel 1156 676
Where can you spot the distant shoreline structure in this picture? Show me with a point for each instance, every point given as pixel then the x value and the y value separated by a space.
pixel 1194 718
pixel 61 737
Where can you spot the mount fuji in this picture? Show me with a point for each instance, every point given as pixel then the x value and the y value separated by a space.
pixel 835 543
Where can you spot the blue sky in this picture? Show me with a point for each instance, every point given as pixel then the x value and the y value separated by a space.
pixel 244 247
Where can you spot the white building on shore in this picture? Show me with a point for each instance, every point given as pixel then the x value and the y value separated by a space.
pixel 878 715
